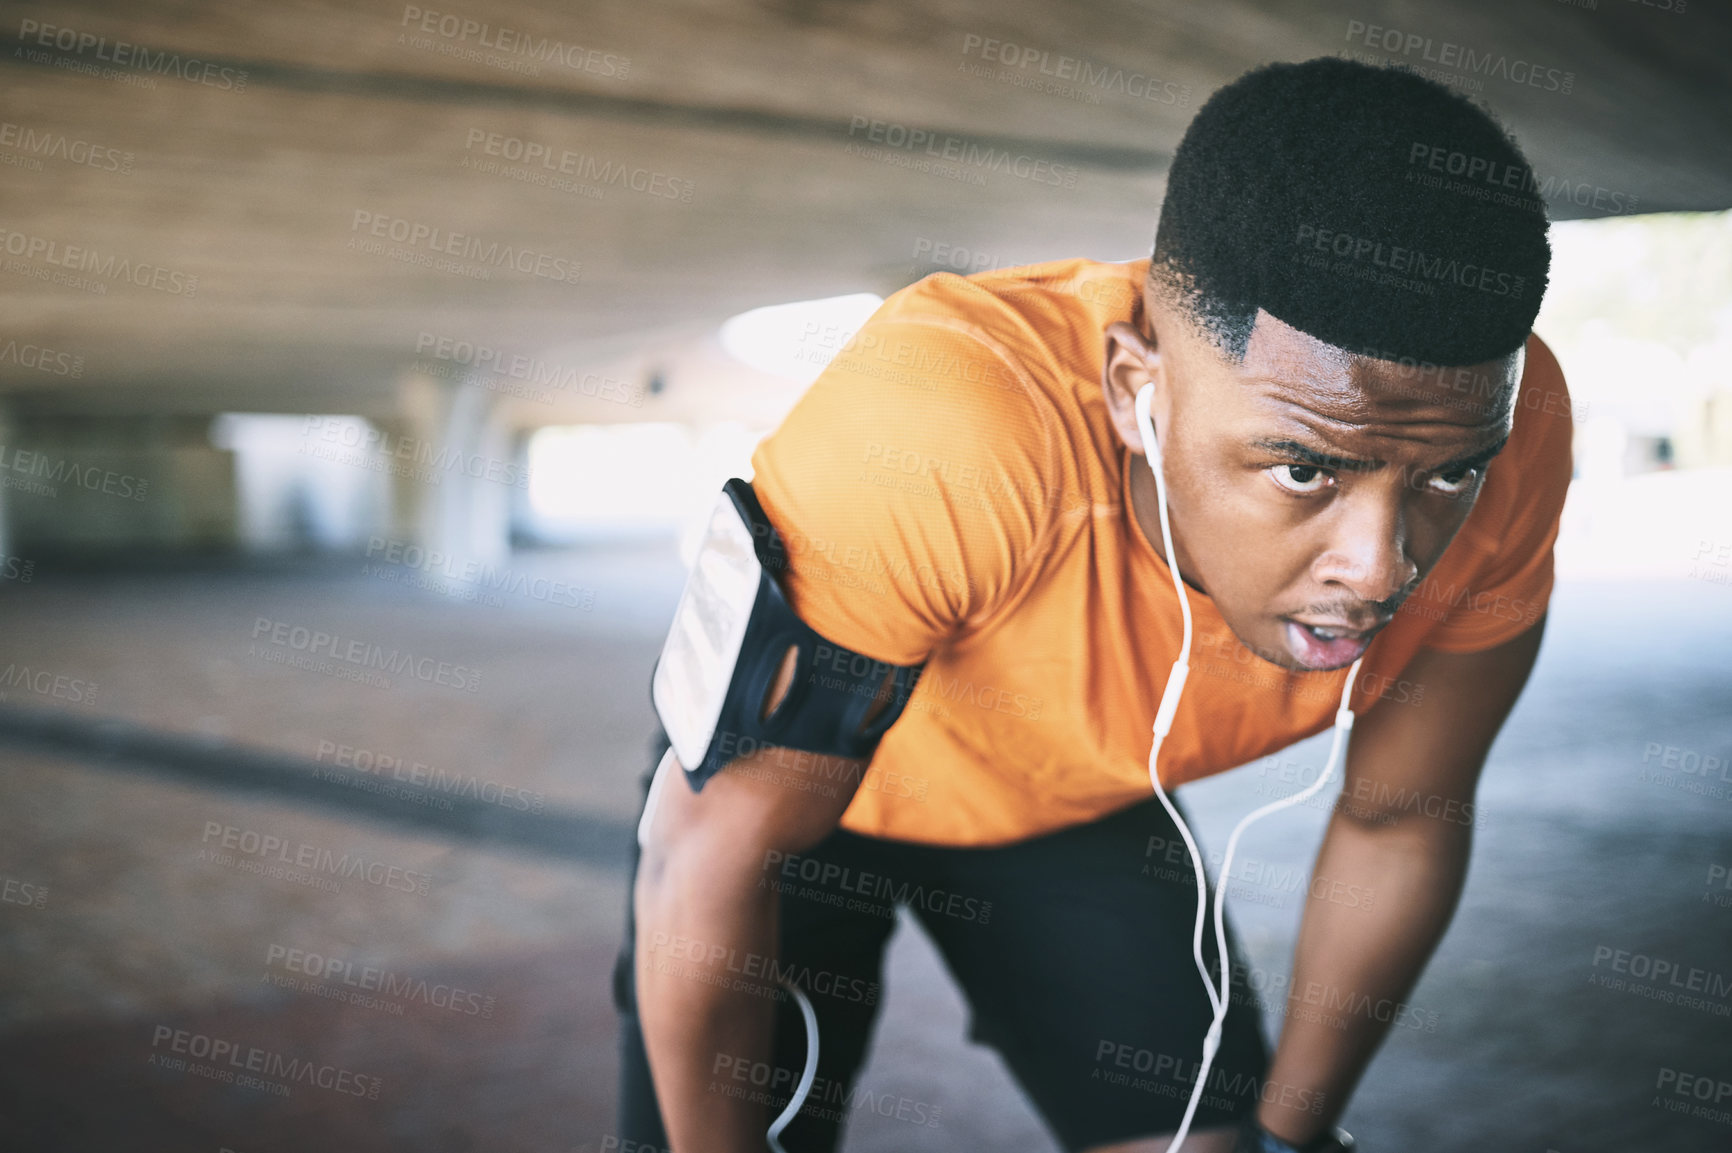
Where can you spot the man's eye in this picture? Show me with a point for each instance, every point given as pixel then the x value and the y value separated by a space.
pixel 1454 482
pixel 1301 478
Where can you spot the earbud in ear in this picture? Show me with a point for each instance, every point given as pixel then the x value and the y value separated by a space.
pixel 1146 426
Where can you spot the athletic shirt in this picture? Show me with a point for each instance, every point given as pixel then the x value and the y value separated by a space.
pixel 952 490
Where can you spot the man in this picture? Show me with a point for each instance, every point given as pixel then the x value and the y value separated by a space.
pixel 1365 454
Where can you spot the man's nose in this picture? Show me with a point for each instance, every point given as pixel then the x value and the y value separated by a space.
pixel 1367 550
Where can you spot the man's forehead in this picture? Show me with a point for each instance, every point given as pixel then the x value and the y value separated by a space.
pixel 1297 367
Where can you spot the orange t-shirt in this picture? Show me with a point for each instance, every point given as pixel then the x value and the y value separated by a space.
pixel 952 490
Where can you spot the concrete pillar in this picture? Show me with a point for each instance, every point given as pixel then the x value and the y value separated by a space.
pixel 454 470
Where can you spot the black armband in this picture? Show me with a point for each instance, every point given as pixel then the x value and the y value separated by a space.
pixel 732 633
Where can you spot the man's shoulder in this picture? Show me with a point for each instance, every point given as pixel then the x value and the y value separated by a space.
pixel 1025 342
pixel 1543 390
pixel 1034 310
pixel 1537 459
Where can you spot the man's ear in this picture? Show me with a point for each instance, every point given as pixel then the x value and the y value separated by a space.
pixel 1131 361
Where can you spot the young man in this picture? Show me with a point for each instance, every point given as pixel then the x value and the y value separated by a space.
pixel 1365 453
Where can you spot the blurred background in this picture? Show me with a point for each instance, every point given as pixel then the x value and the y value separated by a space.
pixel 365 366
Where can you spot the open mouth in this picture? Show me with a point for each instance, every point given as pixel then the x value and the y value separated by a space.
pixel 1317 646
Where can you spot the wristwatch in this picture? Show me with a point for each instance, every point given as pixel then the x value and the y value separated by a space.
pixel 1253 1138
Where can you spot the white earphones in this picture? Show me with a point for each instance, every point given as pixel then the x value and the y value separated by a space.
pixel 774 1135
pixel 1169 707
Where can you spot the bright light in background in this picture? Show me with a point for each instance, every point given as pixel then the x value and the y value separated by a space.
pixel 647 479
pixel 600 476
pixel 797 340
pixel 1639 312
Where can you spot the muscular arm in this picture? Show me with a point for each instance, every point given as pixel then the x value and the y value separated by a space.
pixel 698 902
pixel 1354 956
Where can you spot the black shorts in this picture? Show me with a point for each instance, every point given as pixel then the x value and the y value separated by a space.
pixel 1073 951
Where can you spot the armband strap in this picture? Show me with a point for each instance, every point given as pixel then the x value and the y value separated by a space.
pixel 733 631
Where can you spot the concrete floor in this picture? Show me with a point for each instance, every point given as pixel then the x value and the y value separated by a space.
pixel 125 920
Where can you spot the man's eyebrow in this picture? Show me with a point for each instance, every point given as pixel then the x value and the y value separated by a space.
pixel 1315 459
pixel 1479 459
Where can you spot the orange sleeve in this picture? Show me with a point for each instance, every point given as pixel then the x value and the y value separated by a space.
pixel 907 484
pixel 1507 582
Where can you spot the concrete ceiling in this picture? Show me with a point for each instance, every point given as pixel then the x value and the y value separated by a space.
pixel 747 108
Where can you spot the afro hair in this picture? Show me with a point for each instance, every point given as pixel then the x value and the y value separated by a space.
pixel 1368 207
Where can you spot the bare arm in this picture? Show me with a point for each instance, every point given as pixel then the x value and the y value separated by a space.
pixel 1401 831
pixel 701 913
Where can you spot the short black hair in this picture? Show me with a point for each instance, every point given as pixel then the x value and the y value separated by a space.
pixel 1366 206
